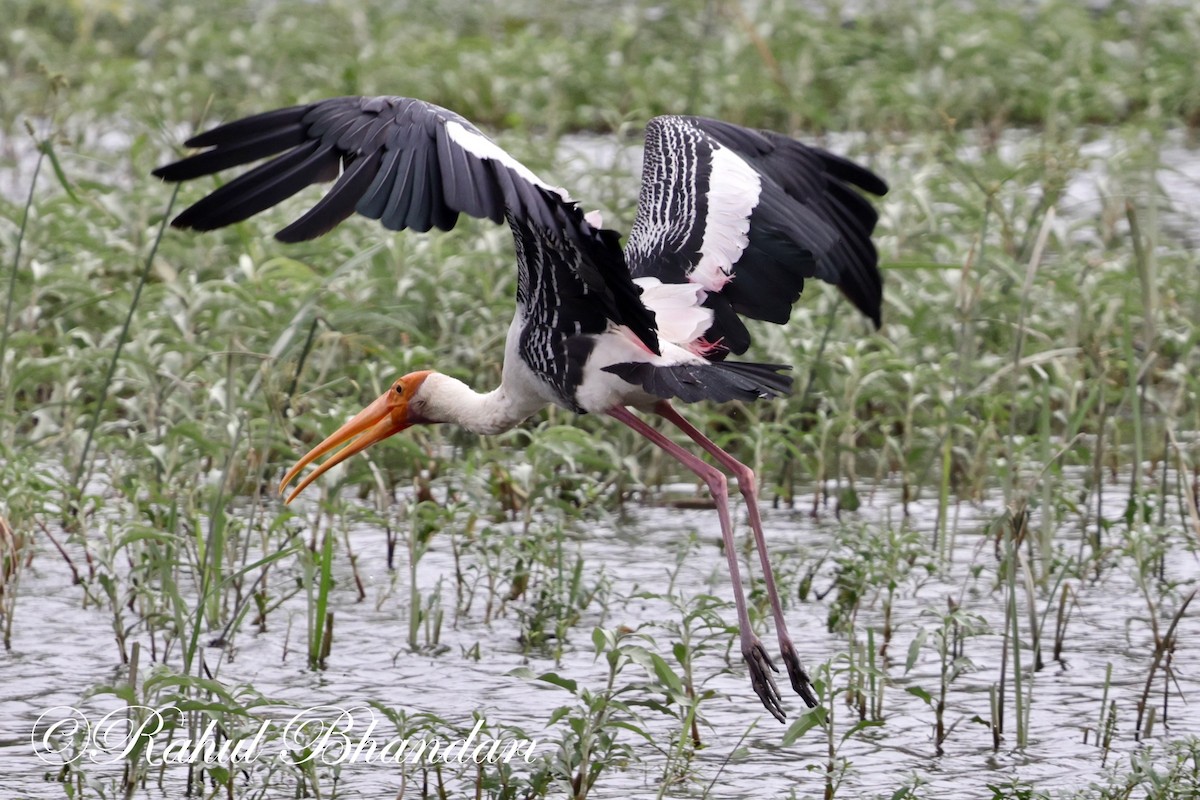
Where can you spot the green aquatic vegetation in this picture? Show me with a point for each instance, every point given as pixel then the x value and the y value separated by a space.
pixel 591 740
pixel 954 627
pixel 870 568
pixel 554 589
pixel 1042 288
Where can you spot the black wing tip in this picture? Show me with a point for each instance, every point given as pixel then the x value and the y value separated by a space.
pixel 870 182
pixel 869 302
pixel 816 222
pixel 237 129
pixel 177 171
pixel 188 220
pixel 293 235
pixel 853 173
pixel 863 287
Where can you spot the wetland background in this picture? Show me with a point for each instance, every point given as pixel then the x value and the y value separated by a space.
pixel 983 516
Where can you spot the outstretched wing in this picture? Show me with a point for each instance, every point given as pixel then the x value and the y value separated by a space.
pixel 408 164
pixel 748 215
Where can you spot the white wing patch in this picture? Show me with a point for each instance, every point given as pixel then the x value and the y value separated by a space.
pixel 484 148
pixel 733 191
pixel 677 311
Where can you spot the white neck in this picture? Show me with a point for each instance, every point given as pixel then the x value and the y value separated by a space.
pixel 450 400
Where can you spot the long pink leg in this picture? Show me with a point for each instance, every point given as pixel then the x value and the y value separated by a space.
pixel 749 489
pixel 752 649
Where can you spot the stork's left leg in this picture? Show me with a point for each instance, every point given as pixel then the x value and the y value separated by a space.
pixel 753 651
pixel 748 486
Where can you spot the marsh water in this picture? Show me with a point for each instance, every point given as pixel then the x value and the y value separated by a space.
pixel 63 647
pixel 60 648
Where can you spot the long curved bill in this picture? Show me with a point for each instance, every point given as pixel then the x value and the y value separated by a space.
pixel 383 418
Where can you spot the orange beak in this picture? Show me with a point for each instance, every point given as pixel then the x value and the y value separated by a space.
pixel 387 416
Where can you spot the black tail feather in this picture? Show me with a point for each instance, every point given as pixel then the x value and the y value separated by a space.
pixel 719 381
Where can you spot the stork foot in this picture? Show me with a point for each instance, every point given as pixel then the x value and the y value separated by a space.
pixel 801 683
pixel 761 679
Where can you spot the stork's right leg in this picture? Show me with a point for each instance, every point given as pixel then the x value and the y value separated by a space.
pixel 752 648
pixel 748 486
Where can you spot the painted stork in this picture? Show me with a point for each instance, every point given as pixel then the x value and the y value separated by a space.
pixel 730 222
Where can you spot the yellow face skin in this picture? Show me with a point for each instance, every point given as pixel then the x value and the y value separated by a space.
pixel 386 416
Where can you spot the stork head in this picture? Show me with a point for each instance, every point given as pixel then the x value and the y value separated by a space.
pixel 400 407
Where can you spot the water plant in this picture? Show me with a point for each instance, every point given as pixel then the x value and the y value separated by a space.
pixel 1006 478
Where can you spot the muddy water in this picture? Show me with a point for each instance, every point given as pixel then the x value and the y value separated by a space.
pixel 60 649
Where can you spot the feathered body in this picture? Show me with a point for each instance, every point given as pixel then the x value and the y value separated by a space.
pixel 730 223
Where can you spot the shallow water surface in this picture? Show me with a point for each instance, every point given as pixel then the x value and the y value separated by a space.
pixel 64 646
pixel 61 648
